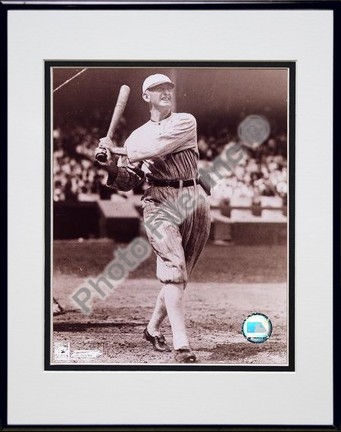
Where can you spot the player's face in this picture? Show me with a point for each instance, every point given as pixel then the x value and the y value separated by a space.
pixel 160 96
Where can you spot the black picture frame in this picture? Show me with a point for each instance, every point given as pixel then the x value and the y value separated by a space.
pixel 292 5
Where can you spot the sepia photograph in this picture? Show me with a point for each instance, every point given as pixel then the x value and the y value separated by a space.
pixel 169 215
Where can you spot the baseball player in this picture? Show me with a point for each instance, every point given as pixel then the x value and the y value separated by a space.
pixel 164 151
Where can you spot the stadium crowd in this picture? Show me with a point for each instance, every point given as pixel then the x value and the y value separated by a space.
pixel 262 172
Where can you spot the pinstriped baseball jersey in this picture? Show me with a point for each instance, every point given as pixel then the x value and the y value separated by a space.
pixel 167 150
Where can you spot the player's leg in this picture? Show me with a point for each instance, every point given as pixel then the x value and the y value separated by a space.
pixel 171 266
pixel 166 240
pixel 195 229
pixel 159 314
pixel 174 300
pixel 152 332
pixel 171 271
pixel 194 232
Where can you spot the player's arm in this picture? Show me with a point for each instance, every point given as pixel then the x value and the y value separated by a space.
pixel 121 176
pixel 112 151
pixel 124 178
pixel 181 136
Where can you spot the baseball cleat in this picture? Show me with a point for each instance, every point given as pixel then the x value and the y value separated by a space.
pixel 185 355
pixel 159 342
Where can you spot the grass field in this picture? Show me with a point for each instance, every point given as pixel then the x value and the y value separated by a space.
pixel 228 283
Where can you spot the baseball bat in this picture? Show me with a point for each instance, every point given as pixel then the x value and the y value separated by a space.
pixel 116 116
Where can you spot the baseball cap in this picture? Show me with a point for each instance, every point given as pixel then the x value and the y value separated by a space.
pixel 155 80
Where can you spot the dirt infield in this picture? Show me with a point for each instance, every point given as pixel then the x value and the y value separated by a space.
pixel 228 284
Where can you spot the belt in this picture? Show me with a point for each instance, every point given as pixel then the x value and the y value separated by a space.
pixel 172 183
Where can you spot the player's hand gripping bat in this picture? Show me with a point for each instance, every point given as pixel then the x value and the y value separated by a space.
pixel 101 155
